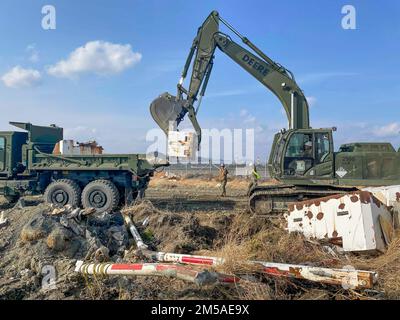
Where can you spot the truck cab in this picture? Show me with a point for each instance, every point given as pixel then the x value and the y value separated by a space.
pixel 11 162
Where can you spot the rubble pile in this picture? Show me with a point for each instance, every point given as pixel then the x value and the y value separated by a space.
pixel 143 252
pixel 55 237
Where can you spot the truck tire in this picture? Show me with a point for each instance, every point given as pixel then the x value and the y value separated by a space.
pixel 102 195
pixel 62 192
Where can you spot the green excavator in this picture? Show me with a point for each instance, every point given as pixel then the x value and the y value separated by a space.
pixel 302 159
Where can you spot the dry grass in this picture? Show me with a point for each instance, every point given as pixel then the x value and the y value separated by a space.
pixel 204 182
pixel 169 231
pixel 387 265
pixel 244 237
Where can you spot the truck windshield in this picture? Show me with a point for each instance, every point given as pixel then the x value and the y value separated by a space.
pixel 2 153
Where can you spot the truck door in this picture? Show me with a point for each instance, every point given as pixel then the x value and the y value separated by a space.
pixel 2 153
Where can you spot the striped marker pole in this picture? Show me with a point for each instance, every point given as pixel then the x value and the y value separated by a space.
pixel 135 233
pixel 155 269
pixel 350 278
pixel 187 259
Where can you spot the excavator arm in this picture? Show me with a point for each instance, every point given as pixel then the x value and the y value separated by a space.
pixel 168 111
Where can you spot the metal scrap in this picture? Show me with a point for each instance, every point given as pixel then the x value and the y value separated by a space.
pixel 135 233
pixel 3 220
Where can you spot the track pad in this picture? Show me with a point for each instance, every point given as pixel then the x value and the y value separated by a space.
pixel 165 109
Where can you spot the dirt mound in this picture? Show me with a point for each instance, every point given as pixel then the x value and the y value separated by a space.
pixel 33 242
pixel 36 242
pixel 169 231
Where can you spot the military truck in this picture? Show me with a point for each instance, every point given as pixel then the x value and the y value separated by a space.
pixel 101 181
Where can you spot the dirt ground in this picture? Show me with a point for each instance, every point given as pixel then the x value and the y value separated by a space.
pixel 181 215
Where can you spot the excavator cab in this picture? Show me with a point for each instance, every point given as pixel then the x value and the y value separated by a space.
pixel 302 154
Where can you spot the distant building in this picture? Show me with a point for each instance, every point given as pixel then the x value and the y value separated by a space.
pixel 69 147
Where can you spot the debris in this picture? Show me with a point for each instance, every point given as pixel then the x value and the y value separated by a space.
pixel 3 220
pixel 88 211
pixel 396 215
pixel 387 229
pixel 57 239
pixel 155 269
pixel 387 195
pixel 348 278
pixel 350 220
pixel 185 258
pixel 182 144
pixel 102 254
pixel 136 236
pixel 145 222
pixel 35 229
pixel 20 203
pixel 354 279
pixel 72 225
pixel 58 211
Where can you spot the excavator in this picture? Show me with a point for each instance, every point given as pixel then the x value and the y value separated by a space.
pixel 302 159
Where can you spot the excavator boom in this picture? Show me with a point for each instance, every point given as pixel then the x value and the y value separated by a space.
pixel 168 110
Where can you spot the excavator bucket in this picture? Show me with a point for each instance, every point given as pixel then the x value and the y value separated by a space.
pixel 165 111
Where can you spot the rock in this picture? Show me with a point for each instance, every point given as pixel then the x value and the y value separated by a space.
pixel 57 239
pixel 72 225
pixel 88 211
pixel 102 254
pixel 58 211
pixel 35 229
pixel 21 203
pixel 74 213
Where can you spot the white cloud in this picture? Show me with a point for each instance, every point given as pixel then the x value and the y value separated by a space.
pixel 311 101
pixel 33 53
pixel 79 133
pixel 247 117
pixel 227 93
pixel 312 78
pixel 99 57
pixel 389 130
pixel 19 77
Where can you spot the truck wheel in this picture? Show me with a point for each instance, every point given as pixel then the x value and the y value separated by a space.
pixel 62 192
pixel 102 195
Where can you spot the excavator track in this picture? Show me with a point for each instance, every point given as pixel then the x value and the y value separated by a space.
pixel 274 200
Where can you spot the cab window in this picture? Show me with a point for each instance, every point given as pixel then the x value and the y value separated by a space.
pixel 322 146
pixel 299 155
pixel 300 146
pixel 2 152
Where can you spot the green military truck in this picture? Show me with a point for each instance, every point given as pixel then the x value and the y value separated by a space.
pixel 103 182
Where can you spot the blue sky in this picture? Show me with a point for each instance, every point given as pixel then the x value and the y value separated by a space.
pixel 351 77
